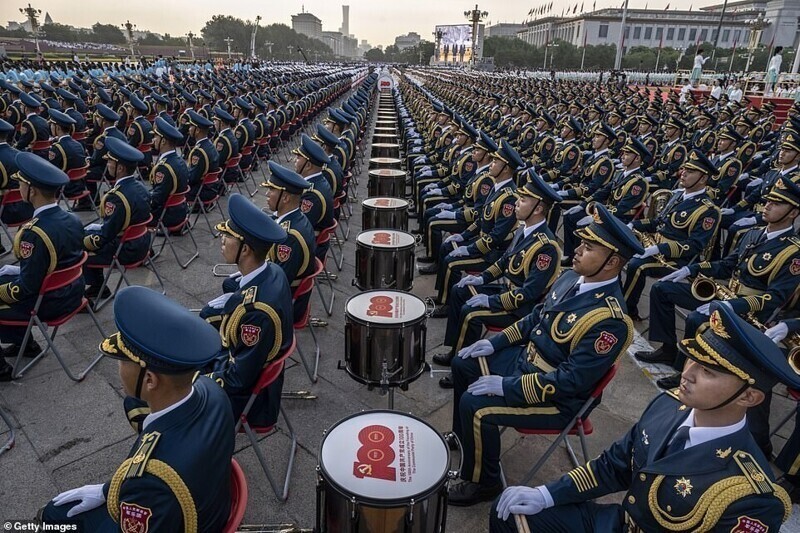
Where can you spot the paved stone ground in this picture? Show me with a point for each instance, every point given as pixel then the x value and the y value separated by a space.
pixel 70 434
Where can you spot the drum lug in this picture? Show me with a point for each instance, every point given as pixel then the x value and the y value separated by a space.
pixel 318 322
pixel 410 519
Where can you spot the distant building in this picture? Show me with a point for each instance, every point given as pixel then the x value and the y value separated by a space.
pixel 345 29
pixel 504 29
pixel 307 24
pixel 334 40
pixel 26 24
pixel 408 40
pixel 349 47
pixel 671 28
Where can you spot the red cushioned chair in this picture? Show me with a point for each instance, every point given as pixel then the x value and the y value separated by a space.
pixel 52 282
pixel 10 196
pixel 210 182
pixel 324 237
pixel 305 287
pixel 233 165
pixel 269 374
pixel 239 495
pixel 247 172
pixel 41 146
pixel 75 174
pixel 579 425
pixel 183 228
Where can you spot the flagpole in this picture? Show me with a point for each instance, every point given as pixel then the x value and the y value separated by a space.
pixel 658 55
pixel 583 56
pixel 719 28
pixel 733 55
pixel 618 58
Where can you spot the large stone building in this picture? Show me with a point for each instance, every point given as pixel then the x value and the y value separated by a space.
pixel 671 28
pixel 307 24
pixel 504 29
pixel 408 40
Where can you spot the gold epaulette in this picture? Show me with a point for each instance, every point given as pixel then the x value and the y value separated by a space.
pixel 708 203
pixel 792 238
pixel 758 479
pixel 616 309
pixel 673 393
pixel 139 460
pixel 249 295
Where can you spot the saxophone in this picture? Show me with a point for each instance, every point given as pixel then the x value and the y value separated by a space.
pixel 706 289
pixel 648 240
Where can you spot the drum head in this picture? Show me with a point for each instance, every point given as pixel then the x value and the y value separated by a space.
pixel 385 203
pixel 390 172
pixel 386 238
pixel 384 457
pixel 385 161
pixel 385 307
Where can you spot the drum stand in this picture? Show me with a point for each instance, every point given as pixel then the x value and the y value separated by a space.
pixel 385 387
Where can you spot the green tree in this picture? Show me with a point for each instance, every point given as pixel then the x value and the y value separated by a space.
pixel 221 27
pixel 375 54
pixel 107 33
pixel 19 33
pixel 59 32
pixel 151 39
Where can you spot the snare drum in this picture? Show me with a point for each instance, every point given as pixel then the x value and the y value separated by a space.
pixel 384 162
pixel 384 260
pixel 382 472
pixel 390 138
pixel 385 326
pixel 385 150
pixel 386 182
pixel 384 213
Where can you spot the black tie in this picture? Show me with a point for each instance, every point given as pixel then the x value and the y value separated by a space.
pixel 517 237
pixel 572 292
pixel 678 441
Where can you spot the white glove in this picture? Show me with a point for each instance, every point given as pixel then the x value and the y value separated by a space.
pixel 704 309
pixel 648 179
pixel 743 176
pixel 726 211
pixel 94 227
pixel 778 332
pixel 650 251
pixel 481 348
pixel 461 251
pixel 563 194
pixel 756 182
pixel 445 215
pixel 521 500
pixel 9 270
pixel 426 174
pixel 90 496
pixel 220 301
pixel 745 222
pixel 428 187
pixel 443 205
pixel 679 275
pixel 236 274
pixel 479 300
pixel 470 280
pixel 487 385
pixel 419 160
pixel 435 192
pixel 573 210
pixel 585 221
pixel 630 225
pixel 426 167
pixel 555 186
pixel 456 237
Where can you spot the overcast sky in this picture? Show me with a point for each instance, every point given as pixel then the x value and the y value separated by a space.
pixel 377 21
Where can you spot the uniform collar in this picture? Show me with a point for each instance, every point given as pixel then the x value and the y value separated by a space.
pixel 38 210
pixel 165 154
pixel 601 152
pixel 283 216
pixel 314 175
pixel 527 230
pixel 594 285
pixel 701 435
pixel 244 280
pixel 788 170
pixel 725 156
pixel 152 417
pixel 498 186
pixel 687 195
pixel 773 234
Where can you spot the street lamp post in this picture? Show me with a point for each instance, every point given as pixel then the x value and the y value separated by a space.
pixel 228 41
pixel 269 47
pixel 621 40
pixel 475 16
pixel 438 34
pixel 253 37
pixel 129 33
pixel 756 26
pixel 33 17
pixel 189 37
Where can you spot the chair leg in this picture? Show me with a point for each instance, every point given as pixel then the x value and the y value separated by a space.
pixel 281 495
pixel 328 306
pixel 544 457
pixel 168 240
pixel 312 374
pixel 338 259
pixel 51 343
pixel 15 373
pixel 9 443
pixel 99 303
pixel 152 266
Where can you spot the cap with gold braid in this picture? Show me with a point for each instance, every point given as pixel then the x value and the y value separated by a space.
pixel 698 161
pixel 791 142
pixel 611 232
pixel 784 191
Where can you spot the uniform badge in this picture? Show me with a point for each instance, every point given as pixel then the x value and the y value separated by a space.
pixel 468 166
pixel 219 147
pixel 195 160
pixel 131 131
pixel 603 170
pixel 543 261
pixel 306 206
pixel 250 334
pixel 766 256
pixel 508 210
pixel 134 518
pixel 284 252
pixel 794 268
pixel 158 178
pixel 485 189
pixel 605 342
pixel 708 223
pixel 25 249
pixel 683 486
pixel 745 524
pixel 645 438
pixel 572 318
pixel 722 454
pixel 731 170
pixel 109 208
pixel 635 190
pixel 51 155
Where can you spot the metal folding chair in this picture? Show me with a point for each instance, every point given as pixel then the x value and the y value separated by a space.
pixel 175 200
pixel 203 207
pixel 10 196
pixel 12 433
pixel 305 287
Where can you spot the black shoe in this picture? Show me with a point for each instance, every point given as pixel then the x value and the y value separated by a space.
pixel 93 292
pixel 433 268
pixel 6 371
pixel 670 382
pixel 444 359
pixel 31 350
pixel 440 312
pixel 451 440
pixel 468 493
pixel 659 355
pixel 566 261
pixel 446 382
pixel 426 259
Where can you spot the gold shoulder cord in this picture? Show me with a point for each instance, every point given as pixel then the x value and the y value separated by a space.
pixel 773 267
pixel 576 333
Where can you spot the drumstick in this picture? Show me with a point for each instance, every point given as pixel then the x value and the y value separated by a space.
pixel 522 524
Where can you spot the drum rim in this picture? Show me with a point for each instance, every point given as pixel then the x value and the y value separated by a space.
pixel 402 174
pixel 348 314
pixel 393 159
pixel 389 504
pixel 365 200
pixel 412 245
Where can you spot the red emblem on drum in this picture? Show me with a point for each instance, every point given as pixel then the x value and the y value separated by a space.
pixel 794 268
pixel 745 524
pixel 604 342
pixel 375 454
pixel 508 210
pixel 306 206
pixel 380 306
pixel 485 188
pixel 134 518
pixel 250 334
pixel 284 252
pixel 109 208
pixel 25 249
pixel 381 237
pixel 382 202
pixel 635 190
pixel 543 261
pixel 708 223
